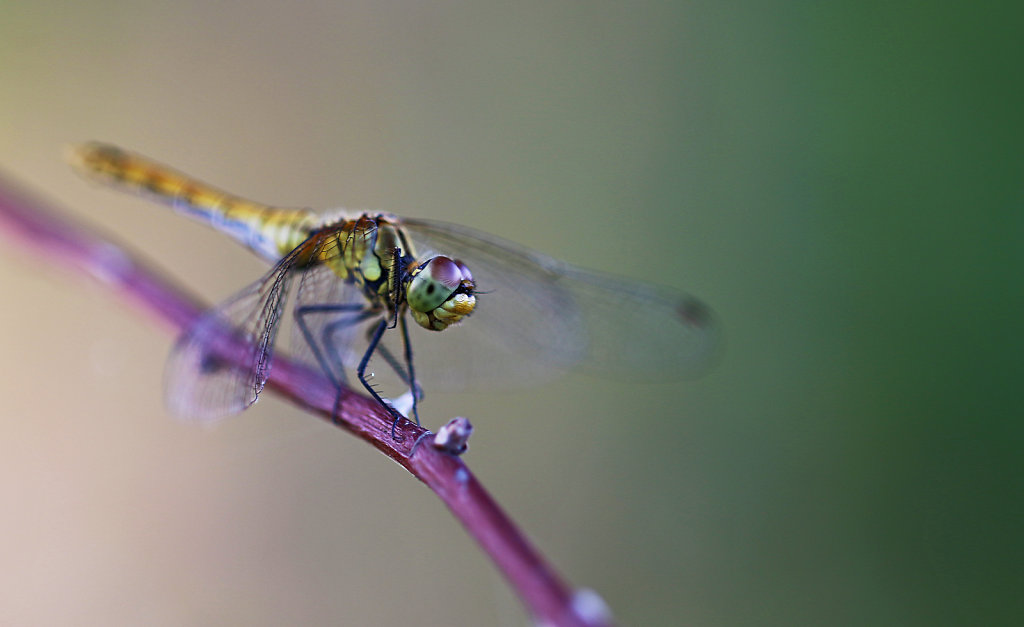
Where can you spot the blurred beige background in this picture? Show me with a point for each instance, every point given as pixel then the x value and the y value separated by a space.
pixel 840 181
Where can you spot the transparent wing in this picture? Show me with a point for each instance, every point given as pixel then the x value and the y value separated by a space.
pixel 219 366
pixel 535 314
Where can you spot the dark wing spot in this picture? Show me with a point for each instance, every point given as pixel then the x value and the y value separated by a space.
pixel 694 313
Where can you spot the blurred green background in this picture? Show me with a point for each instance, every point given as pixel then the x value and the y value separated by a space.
pixel 840 181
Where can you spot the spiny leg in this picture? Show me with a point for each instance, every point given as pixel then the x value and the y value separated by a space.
pixel 327 354
pixel 405 372
pixel 361 374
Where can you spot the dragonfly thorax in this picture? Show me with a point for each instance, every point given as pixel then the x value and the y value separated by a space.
pixel 374 252
pixel 439 292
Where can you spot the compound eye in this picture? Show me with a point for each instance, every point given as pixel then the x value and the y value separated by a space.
pixel 433 283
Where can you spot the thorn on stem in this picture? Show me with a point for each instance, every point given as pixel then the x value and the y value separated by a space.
pixel 453 437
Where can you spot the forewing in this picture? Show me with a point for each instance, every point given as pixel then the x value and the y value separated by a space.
pixel 535 312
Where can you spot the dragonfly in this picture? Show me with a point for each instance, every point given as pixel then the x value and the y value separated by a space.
pixel 484 310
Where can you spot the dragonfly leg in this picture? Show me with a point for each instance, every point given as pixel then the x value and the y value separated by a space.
pixel 328 359
pixel 328 356
pixel 405 372
pixel 361 374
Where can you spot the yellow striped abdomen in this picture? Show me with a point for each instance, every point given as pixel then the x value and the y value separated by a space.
pixel 270 232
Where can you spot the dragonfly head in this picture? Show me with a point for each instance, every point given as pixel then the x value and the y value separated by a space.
pixel 440 292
